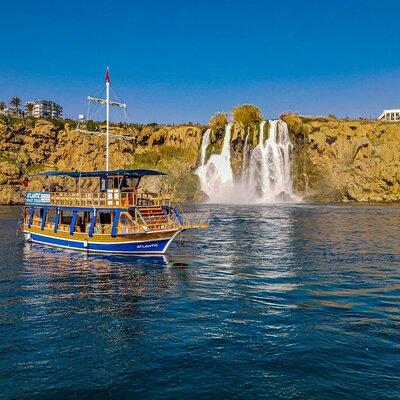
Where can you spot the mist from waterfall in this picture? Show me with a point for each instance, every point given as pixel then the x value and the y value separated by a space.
pixel 266 170
pixel 216 177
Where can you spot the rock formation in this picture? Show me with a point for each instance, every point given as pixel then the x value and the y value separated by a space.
pixel 29 146
pixel 346 160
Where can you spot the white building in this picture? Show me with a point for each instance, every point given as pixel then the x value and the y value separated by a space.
pixel 43 109
pixel 390 115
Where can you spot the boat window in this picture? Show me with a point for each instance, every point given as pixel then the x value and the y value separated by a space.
pixel 126 224
pixel 65 217
pixel 129 183
pixel 81 221
pixel 50 215
pixel 115 182
pixel 103 184
pixel 104 217
pixel 37 216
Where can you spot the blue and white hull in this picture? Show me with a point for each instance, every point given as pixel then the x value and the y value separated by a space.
pixel 149 246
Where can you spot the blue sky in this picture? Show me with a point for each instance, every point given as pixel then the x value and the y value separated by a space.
pixel 175 61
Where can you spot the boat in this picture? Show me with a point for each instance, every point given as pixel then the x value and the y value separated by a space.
pixel 119 217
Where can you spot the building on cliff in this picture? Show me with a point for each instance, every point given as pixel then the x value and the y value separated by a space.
pixel 390 115
pixel 12 111
pixel 44 109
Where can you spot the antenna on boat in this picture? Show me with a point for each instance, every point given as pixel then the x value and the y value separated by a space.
pixel 107 102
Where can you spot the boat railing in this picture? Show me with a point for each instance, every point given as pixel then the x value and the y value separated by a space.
pixel 195 219
pixel 110 199
pixel 98 229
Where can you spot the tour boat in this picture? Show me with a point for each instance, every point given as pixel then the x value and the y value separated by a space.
pixel 117 218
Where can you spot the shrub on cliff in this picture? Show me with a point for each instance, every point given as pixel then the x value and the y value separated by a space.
pixel 218 121
pixel 247 115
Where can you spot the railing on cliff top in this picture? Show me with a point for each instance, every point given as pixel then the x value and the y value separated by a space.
pixel 111 199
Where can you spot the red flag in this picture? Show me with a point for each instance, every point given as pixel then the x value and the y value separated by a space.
pixel 25 182
pixel 107 75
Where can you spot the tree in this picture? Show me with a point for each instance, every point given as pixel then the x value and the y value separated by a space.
pixel 29 108
pixel 16 102
pixel 2 105
pixel 247 115
pixel 218 121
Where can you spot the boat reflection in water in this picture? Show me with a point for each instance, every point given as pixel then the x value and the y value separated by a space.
pixel 63 258
pixel 106 287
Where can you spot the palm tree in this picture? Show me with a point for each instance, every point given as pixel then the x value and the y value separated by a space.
pixel 2 105
pixel 29 108
pixel 16 102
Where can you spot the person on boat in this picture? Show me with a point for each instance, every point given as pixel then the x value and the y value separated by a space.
pixel 80 225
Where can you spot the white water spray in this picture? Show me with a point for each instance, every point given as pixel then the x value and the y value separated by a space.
pixel 269 175
pixel 216 177
pixel 266 170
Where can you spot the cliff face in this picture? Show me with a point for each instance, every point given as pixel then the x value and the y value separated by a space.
pixel 29 146
pixel 340 160
pixel 333 160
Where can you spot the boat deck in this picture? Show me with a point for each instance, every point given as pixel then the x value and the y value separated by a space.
pixel 112 199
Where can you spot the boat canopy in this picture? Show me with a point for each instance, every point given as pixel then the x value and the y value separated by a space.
pixel 131 173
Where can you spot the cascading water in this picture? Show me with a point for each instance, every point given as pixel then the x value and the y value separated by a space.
pixel 266 170
pixel 216 177
pixel 269 172
pixel 204 144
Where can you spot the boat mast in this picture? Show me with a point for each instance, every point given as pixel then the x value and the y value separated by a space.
pixel 107 116
pixel 107 102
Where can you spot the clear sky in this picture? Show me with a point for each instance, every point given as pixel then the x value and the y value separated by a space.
pixel 183 60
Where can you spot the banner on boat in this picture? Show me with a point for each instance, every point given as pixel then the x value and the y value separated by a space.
pixel 38 198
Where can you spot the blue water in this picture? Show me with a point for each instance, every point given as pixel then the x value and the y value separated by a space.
pixel 277 302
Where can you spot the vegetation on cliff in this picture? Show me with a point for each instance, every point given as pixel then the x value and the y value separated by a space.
pixel 218 122
pixel 247 115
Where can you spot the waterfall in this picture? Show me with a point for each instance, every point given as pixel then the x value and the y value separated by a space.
pixel 204 144
pixel 261 140
pixel 266 170
pixel 269 175
pixel 216 177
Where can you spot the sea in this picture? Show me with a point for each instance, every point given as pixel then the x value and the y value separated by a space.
pixel 284 301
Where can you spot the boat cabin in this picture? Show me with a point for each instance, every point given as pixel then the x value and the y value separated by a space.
pixel 116 208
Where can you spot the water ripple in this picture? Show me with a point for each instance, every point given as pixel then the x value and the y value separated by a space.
pixel 279 301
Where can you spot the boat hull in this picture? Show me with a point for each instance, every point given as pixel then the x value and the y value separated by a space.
pixel 157 244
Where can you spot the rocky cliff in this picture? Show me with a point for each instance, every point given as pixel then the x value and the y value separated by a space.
pixel 29 146
pixel 346 160
pixel 333 160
